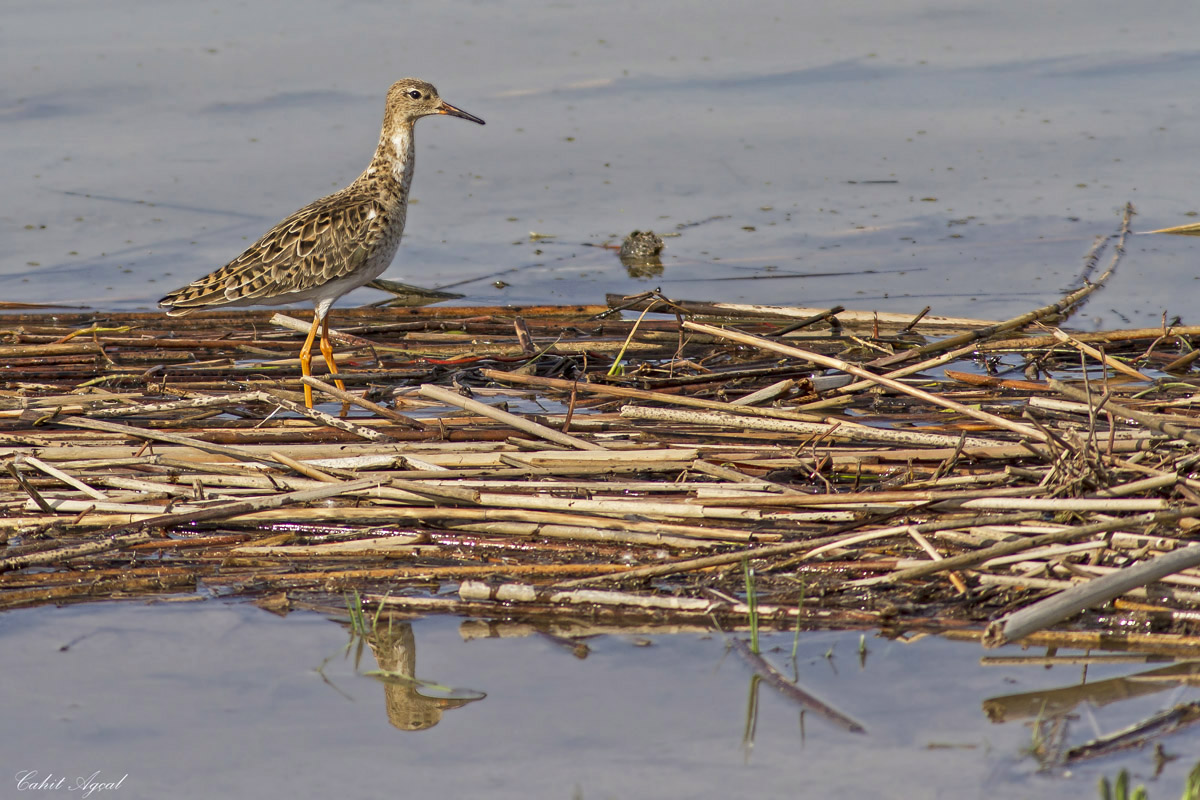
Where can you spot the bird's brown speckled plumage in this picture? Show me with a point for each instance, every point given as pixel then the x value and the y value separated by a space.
pixel 328 240
pixel 334 244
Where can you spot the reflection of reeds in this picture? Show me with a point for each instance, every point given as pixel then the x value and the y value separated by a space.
pixel 1050 710
pixel 1056 702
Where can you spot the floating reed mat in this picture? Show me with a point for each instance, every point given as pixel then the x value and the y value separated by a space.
pixel 630 467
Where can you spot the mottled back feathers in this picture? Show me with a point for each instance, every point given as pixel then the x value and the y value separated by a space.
pixel 322 242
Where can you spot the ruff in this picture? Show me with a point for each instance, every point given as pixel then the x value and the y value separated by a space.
pixel 334 244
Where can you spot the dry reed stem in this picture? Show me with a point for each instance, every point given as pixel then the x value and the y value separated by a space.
pixel 55 472
pixel 521 424
pixel 776 313
pixel 154 436
pixel 641 394
pixel 374 408
pixel 1151 421
pixel 845 366
pixel 839 430
pixel 458 497
pixel 117 536
pixel 1111 363
pixel 1094 592
pixel 903 372
pixel 328 420
pixel 1058 537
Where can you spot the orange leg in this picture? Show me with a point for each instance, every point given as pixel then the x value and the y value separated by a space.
pixel 327 351
pixel 306 361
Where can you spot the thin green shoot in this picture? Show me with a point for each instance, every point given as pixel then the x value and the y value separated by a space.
pixel 1037 741
pixel 618 367
pixel 796 638
pixel 358 618
pixel 752 604
pixel 1191 791
pixel 1120 790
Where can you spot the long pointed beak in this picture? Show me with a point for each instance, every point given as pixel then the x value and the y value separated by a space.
pixel 446 108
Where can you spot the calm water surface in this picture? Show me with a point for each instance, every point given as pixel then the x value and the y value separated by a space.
pixel 882 155
pixel 207 699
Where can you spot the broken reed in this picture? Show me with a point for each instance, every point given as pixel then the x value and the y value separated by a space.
pixel 957 497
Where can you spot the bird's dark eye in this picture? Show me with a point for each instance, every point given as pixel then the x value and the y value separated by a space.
pixel 414 94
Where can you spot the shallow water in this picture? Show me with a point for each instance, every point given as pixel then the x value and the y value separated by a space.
pixel 207 699
pixel 145 144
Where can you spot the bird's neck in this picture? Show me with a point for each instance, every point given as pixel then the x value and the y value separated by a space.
pixel 393 159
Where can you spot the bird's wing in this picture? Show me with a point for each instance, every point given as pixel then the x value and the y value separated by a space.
pixel 326 240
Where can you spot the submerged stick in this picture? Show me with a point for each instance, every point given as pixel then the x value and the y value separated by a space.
pixel 776 680
pixel 828 314
pixel 1139 734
